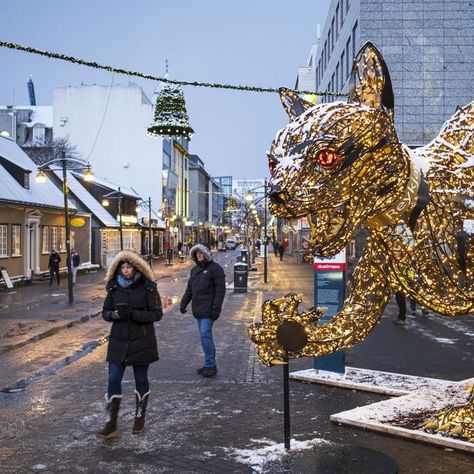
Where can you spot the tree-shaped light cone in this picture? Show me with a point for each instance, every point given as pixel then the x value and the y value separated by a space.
pixel 171 118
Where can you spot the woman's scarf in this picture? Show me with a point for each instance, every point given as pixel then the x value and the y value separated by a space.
pixel 127 282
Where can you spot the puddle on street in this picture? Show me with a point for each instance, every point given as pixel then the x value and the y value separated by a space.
pixel 51 369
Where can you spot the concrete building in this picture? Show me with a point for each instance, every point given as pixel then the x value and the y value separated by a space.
pixel 108 125
pixel 26 124
pixel 175 188
pixel 426 45
pixel 205 203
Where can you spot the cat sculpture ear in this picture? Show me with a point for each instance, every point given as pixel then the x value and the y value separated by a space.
pixel 370 82
pixel 292 103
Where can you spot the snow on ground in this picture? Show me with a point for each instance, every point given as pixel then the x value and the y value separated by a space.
pixel 258 457
pixel 369 380
pixel 389 416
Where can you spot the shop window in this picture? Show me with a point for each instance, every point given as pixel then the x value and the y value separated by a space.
pixel 3 240
pixel 54 238
pixel 62 239
pixel 16 240
pixel 45 240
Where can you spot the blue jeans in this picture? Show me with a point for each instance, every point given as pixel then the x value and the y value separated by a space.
pixel 116 371
pixel 205 331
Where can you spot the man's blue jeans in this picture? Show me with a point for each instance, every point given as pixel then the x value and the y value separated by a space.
pixel 116 372
pixel 207 342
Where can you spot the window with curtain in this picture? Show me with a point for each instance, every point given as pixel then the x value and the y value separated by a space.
pixel 62 239
pixel 3 240
pixel 45 239
pixel 54 238
pixel 16 240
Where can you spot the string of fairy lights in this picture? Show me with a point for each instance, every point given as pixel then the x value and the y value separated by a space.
pixel 165 80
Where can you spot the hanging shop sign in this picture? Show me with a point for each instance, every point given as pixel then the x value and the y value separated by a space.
pixel 129 219
pixel 78 222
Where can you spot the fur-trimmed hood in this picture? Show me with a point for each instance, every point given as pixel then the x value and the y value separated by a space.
pixel 133 259
pixel 202 248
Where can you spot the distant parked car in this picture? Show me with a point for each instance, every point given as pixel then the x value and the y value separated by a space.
pixel 221 247
pixel 230 244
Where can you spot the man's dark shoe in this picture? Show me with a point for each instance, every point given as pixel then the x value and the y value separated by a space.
pixel 201 370
pixel 209 371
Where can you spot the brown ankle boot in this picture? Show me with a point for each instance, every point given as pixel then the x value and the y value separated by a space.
pixel 110 429
pixel 140 410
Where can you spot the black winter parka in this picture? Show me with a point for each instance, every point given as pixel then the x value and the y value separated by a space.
pixel 206 290
pixel 132 337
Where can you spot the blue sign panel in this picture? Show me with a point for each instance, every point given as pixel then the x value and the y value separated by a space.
pixel 329 292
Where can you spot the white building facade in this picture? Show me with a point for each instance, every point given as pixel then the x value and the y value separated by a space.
pixel 108 125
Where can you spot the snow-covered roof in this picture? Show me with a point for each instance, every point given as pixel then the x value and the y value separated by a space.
pixel 107 184
pixel 89 201
pixel 42 115
pixel 143 219
pixel 39 194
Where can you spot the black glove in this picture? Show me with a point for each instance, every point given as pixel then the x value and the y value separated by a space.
pixel 122 311
pixel 114 315
pixel 216 312
pixel 183 310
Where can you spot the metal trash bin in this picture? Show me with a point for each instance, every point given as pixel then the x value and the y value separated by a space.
pixel 240 277
pixel 244 255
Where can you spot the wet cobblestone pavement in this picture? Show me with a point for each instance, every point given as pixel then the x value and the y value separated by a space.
pixel 204 425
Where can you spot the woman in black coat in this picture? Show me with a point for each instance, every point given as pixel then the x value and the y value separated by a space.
pixel 132 305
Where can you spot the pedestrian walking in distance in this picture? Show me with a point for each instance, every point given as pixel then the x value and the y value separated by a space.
pixel 206 291
pixel 275 248
pixel 132 305
pixel 281 250
pixel 53 266
pixel 76 261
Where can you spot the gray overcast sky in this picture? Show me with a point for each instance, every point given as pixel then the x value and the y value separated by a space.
pixel 252 42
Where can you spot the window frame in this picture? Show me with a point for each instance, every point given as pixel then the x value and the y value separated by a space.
pixel 53 230
pixel 13 245
pixel 62 239
pixel 4 240
pixel 45 249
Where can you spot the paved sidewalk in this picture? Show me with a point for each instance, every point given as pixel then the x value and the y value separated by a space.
pixel 37 310
pixel 232 422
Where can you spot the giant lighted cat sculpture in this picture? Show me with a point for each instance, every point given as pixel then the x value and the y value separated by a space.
pixel 341 165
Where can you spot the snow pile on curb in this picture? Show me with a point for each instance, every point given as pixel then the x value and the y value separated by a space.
pixel 375 381
pixel 257 458
pixel 390 416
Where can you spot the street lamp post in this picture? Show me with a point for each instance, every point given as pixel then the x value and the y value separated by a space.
pixel 41 178
pixel 249 197
pixel 68 232
pixel 150 235
pixel 105 202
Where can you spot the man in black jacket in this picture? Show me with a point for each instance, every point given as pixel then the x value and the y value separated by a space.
pixel 53 266
pixel 206 290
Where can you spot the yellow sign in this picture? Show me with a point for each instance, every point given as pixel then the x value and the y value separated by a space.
pixel 78 222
